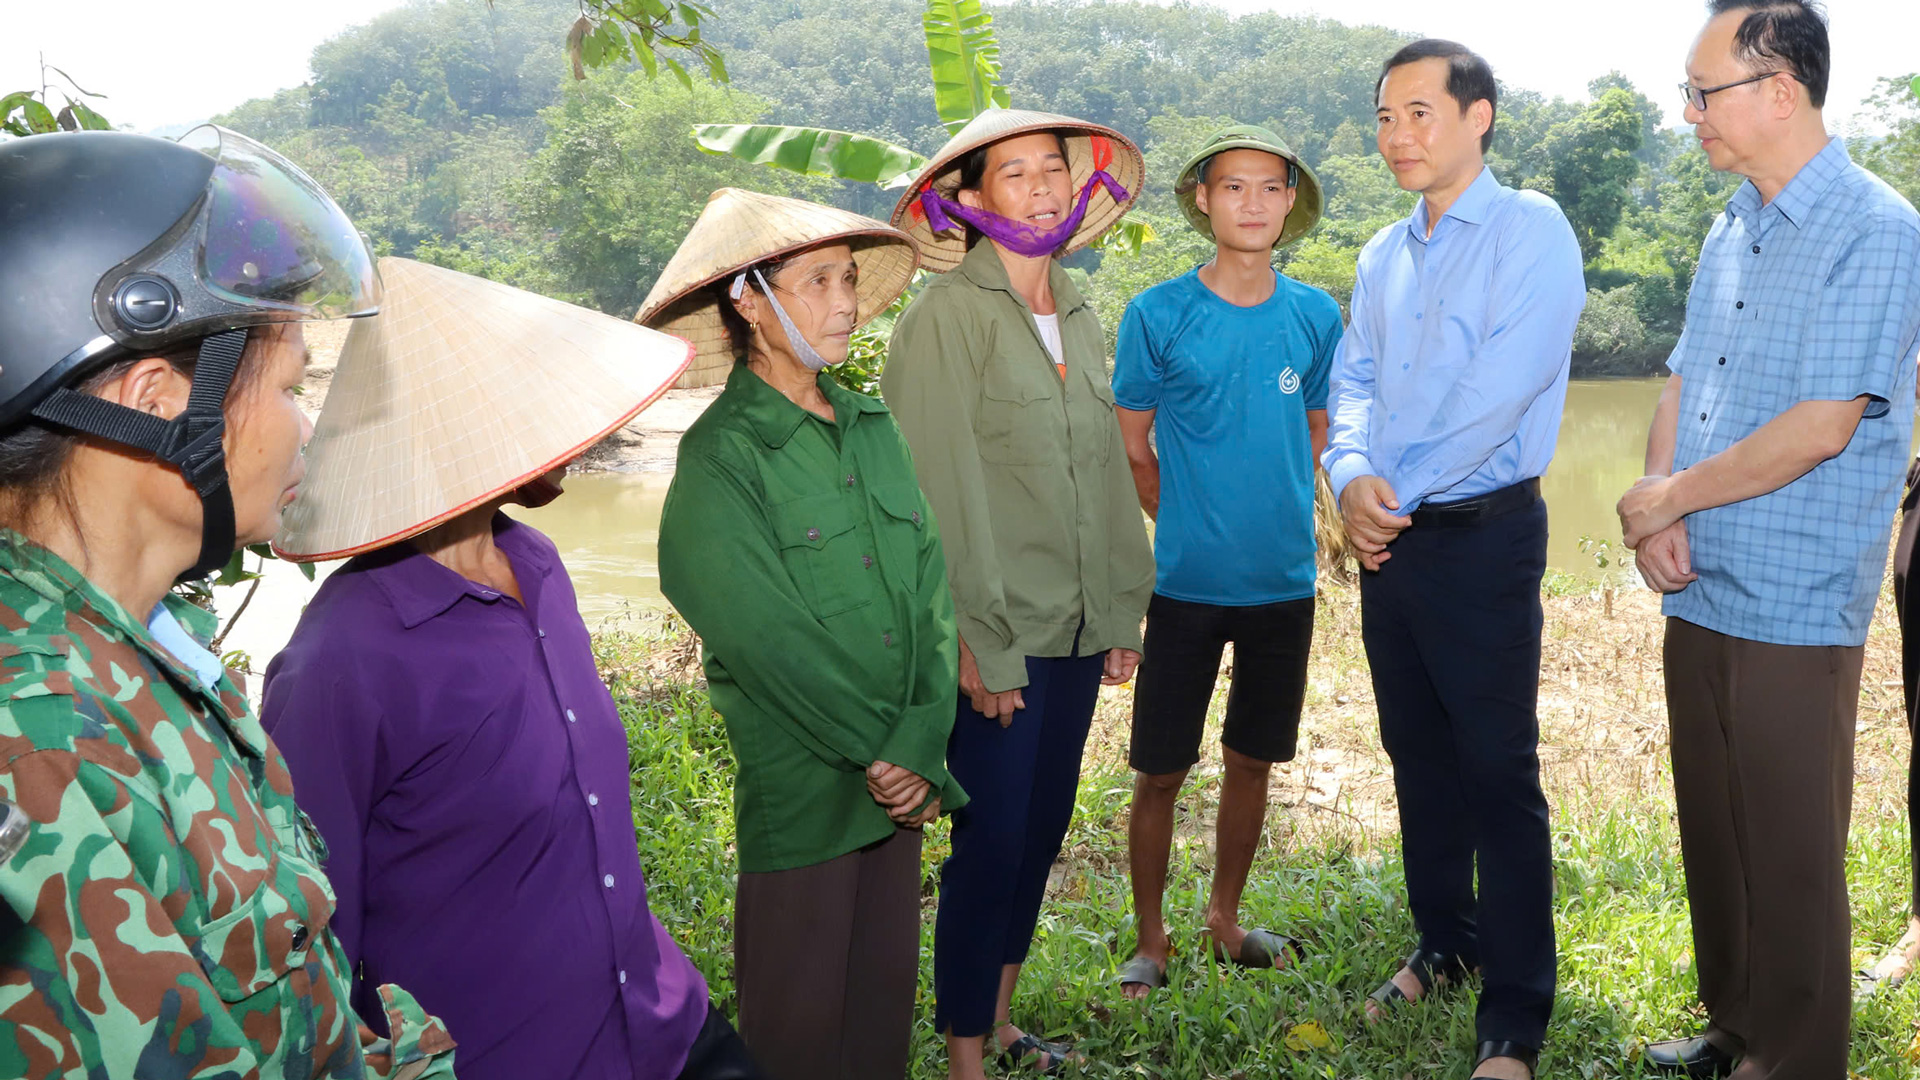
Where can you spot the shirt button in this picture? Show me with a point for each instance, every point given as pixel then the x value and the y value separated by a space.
pixel 887 640
pixel 1739 305
pixel 1723 361
pixel 541 631
pixel 1418 315
pixel 866 562
pixel 571 718
pixel 813 534
pixel 916 517
pixel 1756 249
pixel 299 937
pixel 1703 416
pixel 592 799
pixel 1406 367
pixel 849 479
pixel 607 881
pixel 623 978
pixel 1393 416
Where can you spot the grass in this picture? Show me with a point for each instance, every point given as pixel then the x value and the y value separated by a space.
pixel 1329 869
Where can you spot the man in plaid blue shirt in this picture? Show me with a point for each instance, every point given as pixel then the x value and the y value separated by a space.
pixel 1774 468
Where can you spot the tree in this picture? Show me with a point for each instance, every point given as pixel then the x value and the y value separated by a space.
pixel 1896 157
pixel 1590 165
pixel 617 185
pixel 31 112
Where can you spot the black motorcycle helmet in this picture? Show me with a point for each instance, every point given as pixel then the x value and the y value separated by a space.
pixel 114 245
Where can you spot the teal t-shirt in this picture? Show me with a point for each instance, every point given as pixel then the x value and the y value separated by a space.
pixel 1231 387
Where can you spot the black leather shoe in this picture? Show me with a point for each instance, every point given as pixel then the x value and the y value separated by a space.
pixel 1695 1058
pixel 1526 1055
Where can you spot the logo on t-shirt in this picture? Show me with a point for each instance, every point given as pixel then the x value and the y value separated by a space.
pixel 1289 382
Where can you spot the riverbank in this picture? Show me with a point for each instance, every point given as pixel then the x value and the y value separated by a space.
pixel 1328 869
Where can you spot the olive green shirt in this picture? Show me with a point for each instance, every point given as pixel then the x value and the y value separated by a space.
pixel 1026 471
pixel 804 556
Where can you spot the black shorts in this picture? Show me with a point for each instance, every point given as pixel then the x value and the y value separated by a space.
pixel 1183 648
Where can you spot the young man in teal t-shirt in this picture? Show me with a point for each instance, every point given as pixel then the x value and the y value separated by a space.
pixel 1230 361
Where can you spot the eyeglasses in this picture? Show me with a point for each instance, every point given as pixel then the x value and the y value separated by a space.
pixel 1697 96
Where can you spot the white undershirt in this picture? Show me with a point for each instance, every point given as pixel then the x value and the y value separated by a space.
pixel 1049 327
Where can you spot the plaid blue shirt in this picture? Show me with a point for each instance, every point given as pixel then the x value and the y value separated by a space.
pixel 1812 297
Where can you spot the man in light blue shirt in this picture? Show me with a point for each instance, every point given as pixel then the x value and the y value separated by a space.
pixel 1447 392
pixel 1774 468
pixel 1229 362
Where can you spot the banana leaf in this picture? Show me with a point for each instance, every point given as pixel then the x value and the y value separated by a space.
pixel 965 57
pixel 840 155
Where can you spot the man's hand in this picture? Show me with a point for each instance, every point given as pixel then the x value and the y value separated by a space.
pixel 985 702
pixel 1664 561
pixel 1367 507
pixel 1646 508
pixel 1121 664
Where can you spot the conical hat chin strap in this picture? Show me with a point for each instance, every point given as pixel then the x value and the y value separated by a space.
pixel 803 349
pixel 190 442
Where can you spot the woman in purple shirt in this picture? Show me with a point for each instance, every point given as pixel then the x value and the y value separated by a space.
pixel 439 705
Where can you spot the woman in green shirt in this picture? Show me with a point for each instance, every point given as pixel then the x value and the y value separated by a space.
pixel 796 542
pixel 998 375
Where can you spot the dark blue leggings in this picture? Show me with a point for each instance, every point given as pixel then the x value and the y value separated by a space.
pixel 1021 780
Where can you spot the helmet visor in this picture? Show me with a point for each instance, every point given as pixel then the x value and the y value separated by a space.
pixel 273 239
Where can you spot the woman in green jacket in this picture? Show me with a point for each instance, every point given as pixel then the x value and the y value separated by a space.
pixel 998 375
pixel 796 542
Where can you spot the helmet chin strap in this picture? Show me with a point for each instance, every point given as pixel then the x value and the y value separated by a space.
pixel 803 349
pixel 190 442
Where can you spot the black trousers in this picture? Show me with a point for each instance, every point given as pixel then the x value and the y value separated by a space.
pixel 1452 628
pixel 1903 605
pixel 719 1054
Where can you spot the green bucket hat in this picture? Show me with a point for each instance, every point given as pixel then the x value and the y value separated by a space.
pixel 1306 203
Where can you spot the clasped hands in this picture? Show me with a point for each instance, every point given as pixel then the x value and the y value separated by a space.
pixel 1369 508
pixel 900 791
pixel 1656 534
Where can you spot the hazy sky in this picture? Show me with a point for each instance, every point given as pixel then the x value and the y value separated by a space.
pixel 184 60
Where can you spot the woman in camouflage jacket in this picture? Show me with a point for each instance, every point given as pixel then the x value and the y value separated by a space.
pixel 169 917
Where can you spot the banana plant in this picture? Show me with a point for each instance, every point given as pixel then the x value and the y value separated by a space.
pixel 963 57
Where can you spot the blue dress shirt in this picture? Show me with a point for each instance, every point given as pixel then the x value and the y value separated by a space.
pixel 1450 380
pixel 1813 297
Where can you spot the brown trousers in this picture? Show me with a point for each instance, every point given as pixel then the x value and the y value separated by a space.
pixel 827 961
pixel 1763 777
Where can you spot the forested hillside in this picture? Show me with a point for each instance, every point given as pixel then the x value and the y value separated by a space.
pixel 453 131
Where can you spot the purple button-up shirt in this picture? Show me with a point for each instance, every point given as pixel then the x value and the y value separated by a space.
pixel 468 771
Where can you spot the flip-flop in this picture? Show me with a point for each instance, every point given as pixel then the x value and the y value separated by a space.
pixel 1869 981
pixel 1260 948
pixel 1020 1054
pixel 1142 971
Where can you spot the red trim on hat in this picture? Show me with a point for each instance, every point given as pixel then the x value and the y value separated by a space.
pixel 1102 151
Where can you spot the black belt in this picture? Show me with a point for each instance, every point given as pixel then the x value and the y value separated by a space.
pixel 1481 507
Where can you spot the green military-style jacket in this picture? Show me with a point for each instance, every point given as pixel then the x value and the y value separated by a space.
pixel 805 557
pixel 1044 534
pixel 176 914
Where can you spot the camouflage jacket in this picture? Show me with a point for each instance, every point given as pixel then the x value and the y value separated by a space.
pixel 175 912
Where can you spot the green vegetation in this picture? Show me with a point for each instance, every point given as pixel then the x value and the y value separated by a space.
pixel 456 131
pixel 1329 869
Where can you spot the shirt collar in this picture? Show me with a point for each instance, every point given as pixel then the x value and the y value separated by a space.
pixel 983 267
pixel 421 589
pixel 1797 200
pixel 775 417
pixel 1472 207
pixel 54 579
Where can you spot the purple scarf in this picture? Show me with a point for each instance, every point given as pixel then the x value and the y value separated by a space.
pixel 1018 237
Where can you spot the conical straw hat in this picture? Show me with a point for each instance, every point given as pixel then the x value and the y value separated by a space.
pixel 1089 147
pixel 739 228
pixel 460 391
